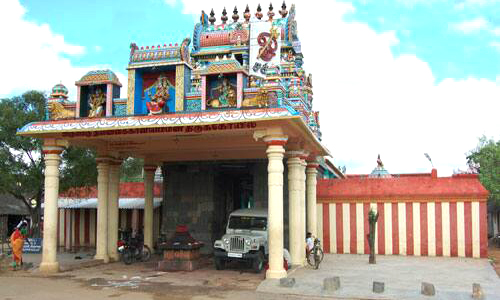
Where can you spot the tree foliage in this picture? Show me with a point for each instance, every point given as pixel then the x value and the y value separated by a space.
pixel 485 160
pixel 131 170
pixel 21 162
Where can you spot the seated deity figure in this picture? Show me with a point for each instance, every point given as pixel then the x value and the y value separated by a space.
pixel 97 100
pixel 160 97
pixel 226 92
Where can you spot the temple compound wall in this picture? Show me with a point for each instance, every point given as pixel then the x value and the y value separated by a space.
pixel 419 214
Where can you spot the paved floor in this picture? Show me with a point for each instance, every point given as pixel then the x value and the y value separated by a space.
pixel 452 277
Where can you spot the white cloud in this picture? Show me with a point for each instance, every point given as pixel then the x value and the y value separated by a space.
pixel 33 56
pixel 97 48
pixel 374 102
pixel 496 31
pixel 471 26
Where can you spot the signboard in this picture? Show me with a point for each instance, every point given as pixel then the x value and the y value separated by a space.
pixel 34 246
pixel 265 47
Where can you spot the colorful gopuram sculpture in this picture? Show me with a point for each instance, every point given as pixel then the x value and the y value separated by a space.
pixel 244 63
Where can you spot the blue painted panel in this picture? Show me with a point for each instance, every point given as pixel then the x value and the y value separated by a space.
pixel 139 104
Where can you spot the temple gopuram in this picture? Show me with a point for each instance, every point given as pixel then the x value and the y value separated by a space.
pixel 228 116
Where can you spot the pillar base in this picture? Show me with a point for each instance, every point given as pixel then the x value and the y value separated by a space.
pixel 104 258
pixel 276 274
pixel 49 267
pixel 114 257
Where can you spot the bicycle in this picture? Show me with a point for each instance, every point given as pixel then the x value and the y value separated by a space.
pixel 315 256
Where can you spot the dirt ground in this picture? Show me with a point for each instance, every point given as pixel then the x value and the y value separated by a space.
pixel 494 255
pixel 137 281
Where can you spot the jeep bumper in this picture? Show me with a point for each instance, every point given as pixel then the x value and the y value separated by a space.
pixel 219 253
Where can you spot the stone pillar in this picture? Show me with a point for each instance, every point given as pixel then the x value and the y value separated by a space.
pixel 203 92
pixel 113 209
pixel 239 89
pixel 302 211
pixel 109 100
pixel 135 220
pixel 149 176
pixel 294 189
pixel 275 168
pixel 52 159
pixel 78 99
pixel 312 172
pixel 102 209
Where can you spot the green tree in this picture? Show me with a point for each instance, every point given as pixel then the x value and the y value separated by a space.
pixel 485 160
pixel 21 162
pixel 131 170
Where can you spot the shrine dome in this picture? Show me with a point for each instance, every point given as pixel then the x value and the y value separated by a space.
pixel 99 77
pixel 59 90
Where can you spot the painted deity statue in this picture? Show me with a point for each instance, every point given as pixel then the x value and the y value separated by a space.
pixel 160 98
pixel 226 92
pixel 97 100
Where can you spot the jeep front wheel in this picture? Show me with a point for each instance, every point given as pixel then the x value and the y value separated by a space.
pixel 220 264
pixel 258 262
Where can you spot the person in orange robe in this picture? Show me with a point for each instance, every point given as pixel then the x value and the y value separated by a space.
pixel 17 243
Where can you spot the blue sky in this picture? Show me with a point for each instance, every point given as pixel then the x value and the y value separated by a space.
pixel 399 78
pixel 424 28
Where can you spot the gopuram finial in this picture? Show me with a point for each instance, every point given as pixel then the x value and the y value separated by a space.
pixel 379 162
pixel 212 17
pixel 283 11
pixel 259 14
pixel 224 16
pixel 270 13
pixel 235 15
pixel 247 14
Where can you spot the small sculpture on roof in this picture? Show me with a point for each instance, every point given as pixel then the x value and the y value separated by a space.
pixel 96 103
pixel 160 97
pixel 226 93
pixel 379 162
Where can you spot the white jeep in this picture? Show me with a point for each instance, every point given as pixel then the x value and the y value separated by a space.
pixel 245 239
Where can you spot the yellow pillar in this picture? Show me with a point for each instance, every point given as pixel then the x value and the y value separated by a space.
pixel 52 159
pixel 302 210
pixel 149 174
pixel 102 209
pixel 113 209
pixel 294 198
pixel 312 225
pixel 275 168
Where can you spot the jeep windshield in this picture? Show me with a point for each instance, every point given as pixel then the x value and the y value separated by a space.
pixel 248 223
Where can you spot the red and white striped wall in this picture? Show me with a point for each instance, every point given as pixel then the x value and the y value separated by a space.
pixel 422 228
pixel 78 227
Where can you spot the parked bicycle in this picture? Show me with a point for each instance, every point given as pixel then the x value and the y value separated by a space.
pixel 133 249
pixel 315 256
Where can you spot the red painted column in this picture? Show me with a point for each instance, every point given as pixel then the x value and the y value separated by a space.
pixel 326 228
pixel 468 228
pixel 395 228
pixel 439 230
pixel 340 228
pixel 453 229
pixel 381 228
pixel 483 231
pixel 352 221
pixel 366 226
pixel 86 227
pixel 409 228
pixel 424 243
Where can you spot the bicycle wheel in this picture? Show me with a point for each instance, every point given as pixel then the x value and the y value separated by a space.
pixel 310 258
pixel 318 257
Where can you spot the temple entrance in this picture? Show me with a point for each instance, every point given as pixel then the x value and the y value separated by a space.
pixel 234 190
